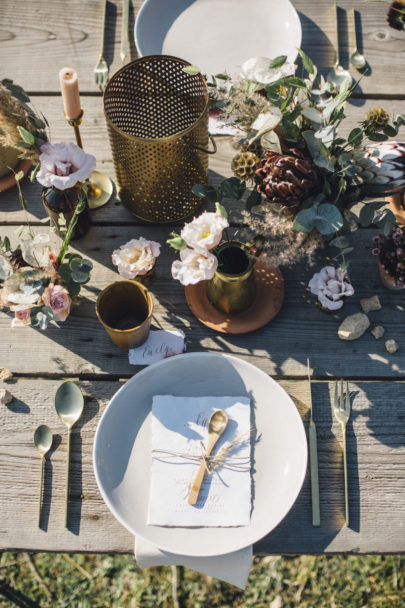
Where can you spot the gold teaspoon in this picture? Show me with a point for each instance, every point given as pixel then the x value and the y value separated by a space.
pixel 43 441
pixel 216 427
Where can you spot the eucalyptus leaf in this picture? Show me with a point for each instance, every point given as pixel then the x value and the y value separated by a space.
pixel 220 209
pixel 231 188
pixel 192 70
pixel 341 242
pixel 253 199
pixel 390 131
pixel 278 62
pixel 207 192
pixel 80 277
pixel 373 136
pixel 177 243
pixel 26 135
pixel 328 219
pixel 355 137
pixel 308 65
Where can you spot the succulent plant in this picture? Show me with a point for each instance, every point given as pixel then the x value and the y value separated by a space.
pixel 381 166
pixel 286 179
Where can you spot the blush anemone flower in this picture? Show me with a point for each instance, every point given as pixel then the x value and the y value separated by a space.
pixel 64 165
pixel 332 287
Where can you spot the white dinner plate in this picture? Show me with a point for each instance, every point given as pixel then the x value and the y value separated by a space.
pixel 218 35
pixel 122 449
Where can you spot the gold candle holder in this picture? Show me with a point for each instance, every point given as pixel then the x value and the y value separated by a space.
pixel 100 185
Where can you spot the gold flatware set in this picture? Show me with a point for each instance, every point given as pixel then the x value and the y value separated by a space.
pixel 69 404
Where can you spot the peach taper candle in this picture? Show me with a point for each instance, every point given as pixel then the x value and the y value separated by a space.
pixel 69 85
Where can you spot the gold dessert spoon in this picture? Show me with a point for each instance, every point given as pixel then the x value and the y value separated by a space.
pixel 216 427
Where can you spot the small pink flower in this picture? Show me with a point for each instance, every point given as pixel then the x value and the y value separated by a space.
pixel 136 257
pixel 21 318
pixel 58 300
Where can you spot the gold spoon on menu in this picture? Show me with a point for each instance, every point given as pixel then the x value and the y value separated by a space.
pixel 216 427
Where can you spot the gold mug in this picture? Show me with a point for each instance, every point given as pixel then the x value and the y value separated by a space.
pixel 124 308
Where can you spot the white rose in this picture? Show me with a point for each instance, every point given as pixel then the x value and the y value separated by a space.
pixel 205 231
pixel 37 251
pixel 194 266
pixel 258 69
pixel 63 165
pixel 136 257
pixel 331 285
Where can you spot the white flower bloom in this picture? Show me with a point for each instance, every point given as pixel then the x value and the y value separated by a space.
pixel 194 266
pixel 136 257
pixel 205 231
pixel 331 285
pixel 63 165
pixel 258 70
pixel 36 252
pixel 22 317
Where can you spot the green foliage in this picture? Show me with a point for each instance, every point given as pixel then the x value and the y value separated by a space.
pixel 326 581
pixel 220 209
pixel 176 242
pixel 192 70
pixel 326 218
pixel 278 61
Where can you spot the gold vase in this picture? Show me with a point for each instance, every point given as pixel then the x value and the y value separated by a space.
pixel 233 287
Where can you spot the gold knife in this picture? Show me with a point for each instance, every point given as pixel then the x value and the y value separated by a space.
pixel 313 459
pixel 124 31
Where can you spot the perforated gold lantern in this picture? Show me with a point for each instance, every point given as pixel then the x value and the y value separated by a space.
pixel 157 122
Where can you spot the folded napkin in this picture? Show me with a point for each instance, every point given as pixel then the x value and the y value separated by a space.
pixel 179 436
pixel 232 568
pixel 160 344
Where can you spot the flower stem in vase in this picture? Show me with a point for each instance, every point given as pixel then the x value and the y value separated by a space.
pixel 61 207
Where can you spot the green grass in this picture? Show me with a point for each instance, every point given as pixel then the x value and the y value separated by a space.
pixel 95 581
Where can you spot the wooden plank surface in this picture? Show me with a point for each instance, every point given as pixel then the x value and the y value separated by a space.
pixel 95 141
pixel 71 36
pixel 80 346
pixel 376 465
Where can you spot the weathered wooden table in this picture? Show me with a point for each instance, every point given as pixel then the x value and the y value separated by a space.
pixel 37 38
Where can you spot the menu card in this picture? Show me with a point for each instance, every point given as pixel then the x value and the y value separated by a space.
pixel 179 438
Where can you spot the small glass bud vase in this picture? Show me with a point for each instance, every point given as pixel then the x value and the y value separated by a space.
pixel 233 287
pixel 62 203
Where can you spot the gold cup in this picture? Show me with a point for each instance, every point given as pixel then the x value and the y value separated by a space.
pixel 125 309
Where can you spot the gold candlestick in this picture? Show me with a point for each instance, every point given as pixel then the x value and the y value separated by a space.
pixel 100 185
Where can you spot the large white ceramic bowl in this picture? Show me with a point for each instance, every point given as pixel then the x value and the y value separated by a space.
pixel 122 449
pixel 218 35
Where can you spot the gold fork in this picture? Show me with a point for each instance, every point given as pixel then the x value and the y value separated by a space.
pixel 342 414
pixel 101 69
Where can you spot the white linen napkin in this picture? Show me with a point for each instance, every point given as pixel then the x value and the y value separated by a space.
pixel 160 344
pixel 179 437
pixel 232 568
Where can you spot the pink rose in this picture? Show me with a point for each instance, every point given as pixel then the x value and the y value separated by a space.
pixel 21 318
pixel 58 300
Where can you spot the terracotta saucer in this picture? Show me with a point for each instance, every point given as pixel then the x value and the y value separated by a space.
pixel 268 303
pixel 8 181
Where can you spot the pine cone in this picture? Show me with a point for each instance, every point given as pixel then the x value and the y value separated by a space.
pixel 245 164
pixel 286 179
pixel 378 118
